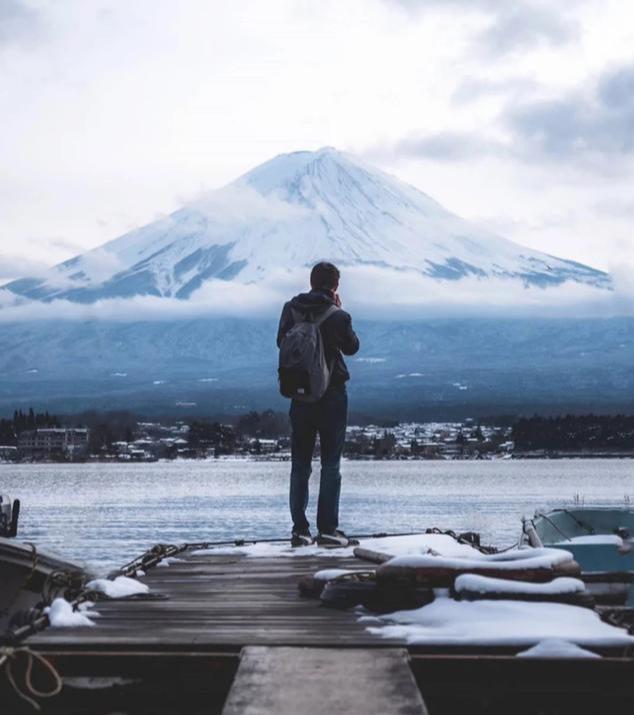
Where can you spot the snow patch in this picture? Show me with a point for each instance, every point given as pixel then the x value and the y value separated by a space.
pixel 509 560
pixel 614 539
pixel 167 561
pixel 273 550
pixel 415 544
pixel 473 583
pixel 421 544
pixel 120 587
pixel 61 615
pixel 91 682
pixel 330 574
pixel 499 623
pixel 557 648
pixel 88 605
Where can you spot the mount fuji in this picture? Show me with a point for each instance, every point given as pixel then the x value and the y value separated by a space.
pixel 290 212
pixel 283 216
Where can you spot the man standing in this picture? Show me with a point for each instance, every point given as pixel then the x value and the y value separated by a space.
pixel 325 411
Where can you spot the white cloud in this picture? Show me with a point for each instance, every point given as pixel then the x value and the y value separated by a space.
pixel 385 293
pixel 367 292
pixel 623 275
pixel 100 264
pixel 238 203
pixel 15 266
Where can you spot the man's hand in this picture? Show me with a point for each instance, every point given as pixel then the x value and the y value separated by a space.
pixel 337 300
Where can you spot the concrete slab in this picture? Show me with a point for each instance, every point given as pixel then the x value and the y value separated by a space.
pixel 324 681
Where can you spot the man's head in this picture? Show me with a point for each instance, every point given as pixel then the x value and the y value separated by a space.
pixel 324 276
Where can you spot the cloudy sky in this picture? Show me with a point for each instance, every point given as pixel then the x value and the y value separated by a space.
pixel 516 114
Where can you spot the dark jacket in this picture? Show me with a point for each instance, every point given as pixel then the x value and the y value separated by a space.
pixel 336 330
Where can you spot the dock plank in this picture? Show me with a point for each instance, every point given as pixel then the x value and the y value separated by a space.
pixel 322 681
pixel 227 601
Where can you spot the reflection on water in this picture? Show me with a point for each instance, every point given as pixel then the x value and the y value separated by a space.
pixel 106 514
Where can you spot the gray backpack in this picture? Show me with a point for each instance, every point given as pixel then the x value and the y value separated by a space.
pixel 303 371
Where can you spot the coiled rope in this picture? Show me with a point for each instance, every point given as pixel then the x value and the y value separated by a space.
pixel 151 558
pixel 28 692
pixel 70 584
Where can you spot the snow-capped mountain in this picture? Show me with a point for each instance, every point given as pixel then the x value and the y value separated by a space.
pixel 288 213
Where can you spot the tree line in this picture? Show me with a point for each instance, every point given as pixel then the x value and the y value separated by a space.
pixel 21 421
pixel 573 432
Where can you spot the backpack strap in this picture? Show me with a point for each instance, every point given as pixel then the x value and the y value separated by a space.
pixel 325 315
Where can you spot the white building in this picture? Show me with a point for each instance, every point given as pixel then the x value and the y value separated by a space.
pixel 53 441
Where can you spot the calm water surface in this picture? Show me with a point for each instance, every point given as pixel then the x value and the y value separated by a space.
pixel 106 514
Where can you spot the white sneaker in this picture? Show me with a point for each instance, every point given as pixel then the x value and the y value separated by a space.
pixel 335 539
pixel 301 538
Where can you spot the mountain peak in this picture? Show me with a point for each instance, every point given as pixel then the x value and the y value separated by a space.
pixel 289 212
pixel 283 169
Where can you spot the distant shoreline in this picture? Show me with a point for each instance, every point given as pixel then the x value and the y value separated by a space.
pixel 286 459
pixel 579 454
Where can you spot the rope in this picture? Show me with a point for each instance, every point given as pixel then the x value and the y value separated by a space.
pixel 34 560
pixel 151 557
pixel 29 692
pixel 378 535
pixel 462 540
pixel 71 583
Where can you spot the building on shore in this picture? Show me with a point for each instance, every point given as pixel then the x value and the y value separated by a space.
pixel 53 443
pixel 8 453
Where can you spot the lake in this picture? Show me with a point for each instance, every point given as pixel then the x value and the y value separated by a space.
pixel 106 514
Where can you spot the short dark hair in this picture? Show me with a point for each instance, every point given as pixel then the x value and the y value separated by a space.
pixel 324 276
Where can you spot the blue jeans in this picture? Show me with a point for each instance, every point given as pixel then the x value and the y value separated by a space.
pixel 328 418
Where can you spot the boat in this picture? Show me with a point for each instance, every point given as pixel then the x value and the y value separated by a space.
pixel 9 516
pixel 28 576
pixel 601 540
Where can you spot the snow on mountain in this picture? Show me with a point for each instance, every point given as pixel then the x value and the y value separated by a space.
pixel 286 214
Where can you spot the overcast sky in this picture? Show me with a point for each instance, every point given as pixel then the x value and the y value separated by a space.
pixel 516 114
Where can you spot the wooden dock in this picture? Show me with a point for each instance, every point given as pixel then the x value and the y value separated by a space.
pixel 218 629
pixel 222 603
